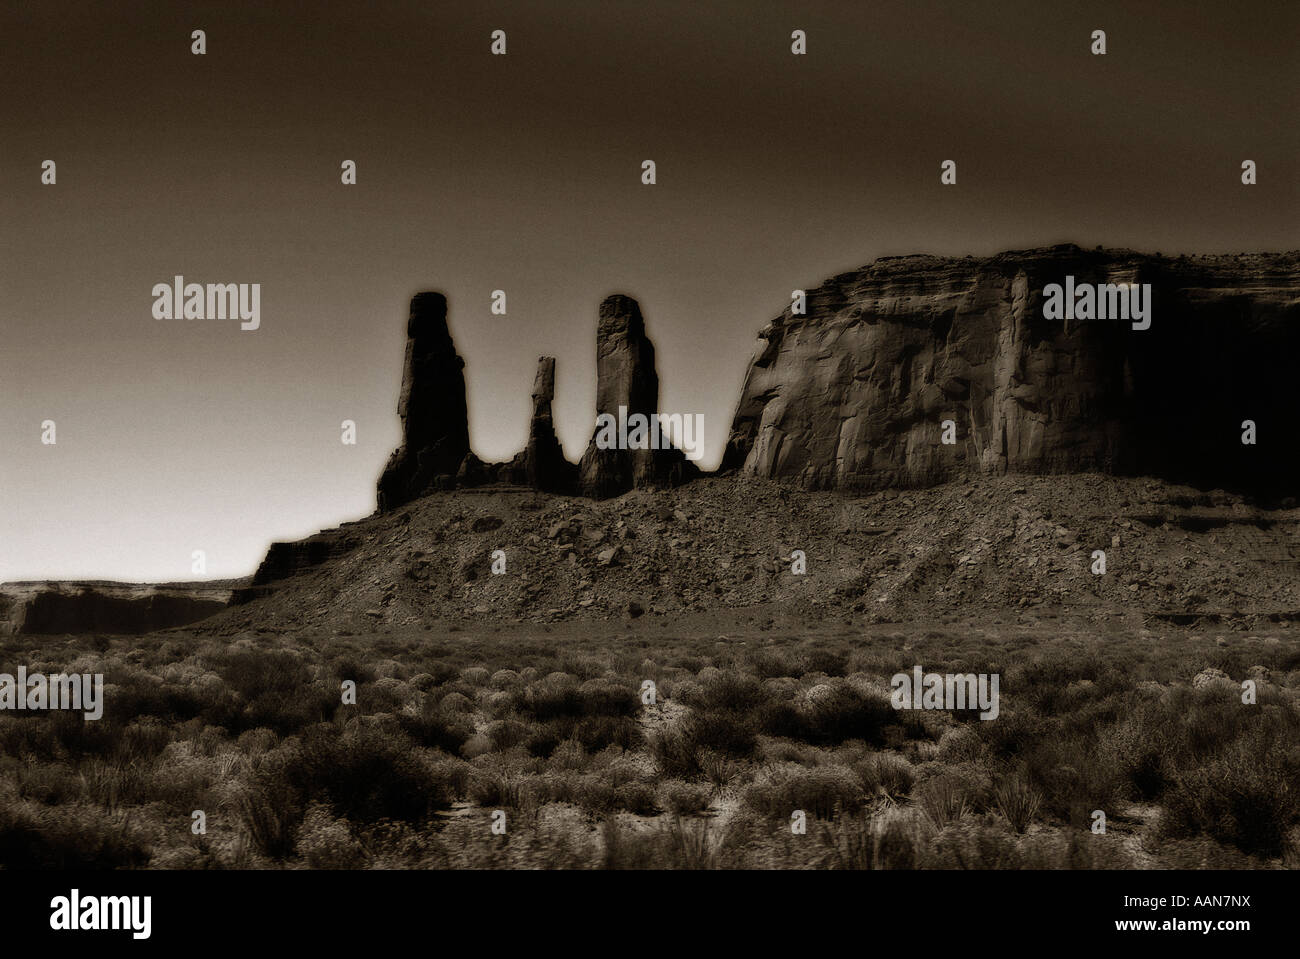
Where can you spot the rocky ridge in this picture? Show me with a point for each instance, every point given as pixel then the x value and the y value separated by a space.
pixel 1004 549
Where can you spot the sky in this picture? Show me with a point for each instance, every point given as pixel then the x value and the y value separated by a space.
pixel 522 173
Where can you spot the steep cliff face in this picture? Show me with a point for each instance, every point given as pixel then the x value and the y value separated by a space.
pixel 435 421
pixel 854 394
pixel 626 378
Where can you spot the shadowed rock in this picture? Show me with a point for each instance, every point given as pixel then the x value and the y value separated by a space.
pixel 626 377
pixel 435 422
pixel 854 394
pixel 542 465
pixel 115 608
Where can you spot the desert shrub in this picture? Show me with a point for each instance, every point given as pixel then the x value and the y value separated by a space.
pixel 847 714
pixel 711 736
pixel 1011 733
pixel 675 754
pixel 51 783
pixel 114 783
pixel 442 672
pixel 774 663
pixel 1071 775
pixel 327 843
pixel 142 741
pixel 254 742
pixel 544 739
pixel 628 849
pixel 67 838
pixel 1138 759
pixel 960 744
pixel 974 845
pixel 475 675
pixel 290 712
pixel 436 728
pixel 820 792
pixel 455 703
pixel 455 774
pixel 496 790
pixel 886 775
pixel 361 774
pixel 824 661
pixel 567 756
pixel 839 714
pixel 595 733
pixel 138 696
pixel 547 702
pixel 942 799
pixel 858 840
pixel 691 844
pixel 1248 797
pixel 384 695
pixel 679 844
pixel 638 798
pixel 253 672
pixel 596 795
pixel 505 733
pixel 504 679
pixel 1017 800
pixel 686 799
pixel 731 691
pixel 58 735
pixel 723 731
pixel 716 768
pixel 347 667
pixel 270 809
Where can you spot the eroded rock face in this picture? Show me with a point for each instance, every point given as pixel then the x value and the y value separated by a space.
pixel 626 377
pixel 435 422
pixel 542 463
pixel 854 394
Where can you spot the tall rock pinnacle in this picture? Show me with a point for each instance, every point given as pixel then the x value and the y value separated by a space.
pixel 626 377
pixel 435 422
pixel 542 464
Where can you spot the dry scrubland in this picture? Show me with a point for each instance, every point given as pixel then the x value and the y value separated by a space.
pixel 749 727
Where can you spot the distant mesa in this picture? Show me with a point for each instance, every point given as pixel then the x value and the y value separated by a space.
pixel 102 607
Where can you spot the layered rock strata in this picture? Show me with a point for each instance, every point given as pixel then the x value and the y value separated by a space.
pixel 855 393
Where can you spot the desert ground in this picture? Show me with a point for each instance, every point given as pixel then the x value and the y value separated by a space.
pixel 502 721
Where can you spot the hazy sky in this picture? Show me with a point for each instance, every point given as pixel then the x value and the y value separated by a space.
pixel 522 173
